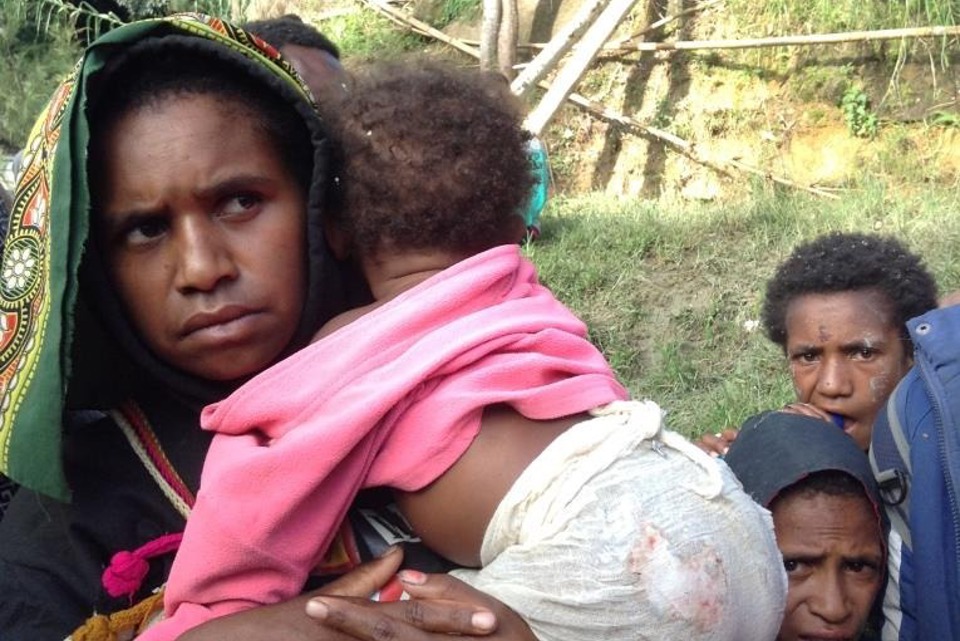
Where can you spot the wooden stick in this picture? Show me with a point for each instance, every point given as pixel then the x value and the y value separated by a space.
pixel 653 26
pixel 571 72
pixel 489 26
pixel 782 41
pixel 561 43
pixel 421 27
pixel 604 113
pixel 686 148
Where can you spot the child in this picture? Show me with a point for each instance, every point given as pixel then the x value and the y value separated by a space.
pixel 838 307
pixel 462 371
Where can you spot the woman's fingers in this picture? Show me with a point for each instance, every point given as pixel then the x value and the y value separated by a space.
pixel 410 620
pixel 497 621
pixel 367 578
pixel 717 444
pixel 806 409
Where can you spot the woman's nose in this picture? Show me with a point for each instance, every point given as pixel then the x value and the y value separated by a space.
pixel 828 601
pixel 205 257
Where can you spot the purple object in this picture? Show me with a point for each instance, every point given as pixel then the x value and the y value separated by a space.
pixel 837 419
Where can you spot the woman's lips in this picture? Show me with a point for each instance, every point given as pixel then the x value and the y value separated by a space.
pixel 222 321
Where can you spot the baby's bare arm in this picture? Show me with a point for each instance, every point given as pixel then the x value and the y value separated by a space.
pixel 452 513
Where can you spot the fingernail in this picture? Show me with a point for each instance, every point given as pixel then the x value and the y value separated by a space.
pixel 412 577
pixel 390 550
pixel 483 620
pixel 714 454
pixel 725 450
pixel 317 609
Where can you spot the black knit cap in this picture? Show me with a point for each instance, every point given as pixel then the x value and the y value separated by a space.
pixel 774 450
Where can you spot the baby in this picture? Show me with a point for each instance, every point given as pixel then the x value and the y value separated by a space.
pixel 475 395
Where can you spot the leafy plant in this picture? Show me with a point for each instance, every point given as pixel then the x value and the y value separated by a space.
pixel 855 105
pixel 37 48
pixel 946 119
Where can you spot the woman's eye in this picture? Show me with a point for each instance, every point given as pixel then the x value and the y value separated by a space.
pixel 240 204
pixel 143 231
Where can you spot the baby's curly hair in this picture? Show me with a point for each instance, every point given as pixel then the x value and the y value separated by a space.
pixel 840 262
pixel 428 156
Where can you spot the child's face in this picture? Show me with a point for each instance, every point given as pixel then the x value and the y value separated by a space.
pixel 845 355
pixel 202 229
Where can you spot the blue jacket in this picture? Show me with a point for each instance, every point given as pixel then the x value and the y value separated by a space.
pixel 923 469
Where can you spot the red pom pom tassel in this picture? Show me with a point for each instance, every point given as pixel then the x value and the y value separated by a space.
pixel 125 574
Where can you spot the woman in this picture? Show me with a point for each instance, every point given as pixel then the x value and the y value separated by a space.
pixel 203 263
pixel 827 516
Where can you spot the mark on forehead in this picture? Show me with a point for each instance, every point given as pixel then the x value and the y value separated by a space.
pixel 823 335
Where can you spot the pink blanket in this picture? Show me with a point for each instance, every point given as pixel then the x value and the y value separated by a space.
pixel 392 399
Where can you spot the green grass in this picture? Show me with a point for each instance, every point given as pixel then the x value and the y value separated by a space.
pixel 364 35
pixel 817 16
pixel 39 46
pixel 667 292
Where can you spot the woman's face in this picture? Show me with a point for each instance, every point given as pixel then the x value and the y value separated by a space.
pixel 203 232
pixel 833 555
pixel 846 355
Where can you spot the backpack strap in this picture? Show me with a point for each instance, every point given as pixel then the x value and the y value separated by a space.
pixel 890 461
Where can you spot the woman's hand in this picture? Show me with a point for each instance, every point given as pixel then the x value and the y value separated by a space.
pixel 439 605
pixel 717 444
pixel 351 615
pixel 806 409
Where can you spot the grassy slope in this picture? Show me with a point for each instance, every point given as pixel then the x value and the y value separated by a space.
pixel 666 292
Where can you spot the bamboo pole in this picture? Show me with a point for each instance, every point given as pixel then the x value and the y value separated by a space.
pixel 606 114
pixel 782 41
pixel 561 43
pixel 583 56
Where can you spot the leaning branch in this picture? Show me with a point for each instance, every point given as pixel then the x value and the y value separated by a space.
pixel 687 148
pixel 662 22
pixel 547 59
pixel 420 27
pixel 572 71
pixel 676 143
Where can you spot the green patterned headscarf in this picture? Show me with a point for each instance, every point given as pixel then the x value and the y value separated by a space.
pixel 48 234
